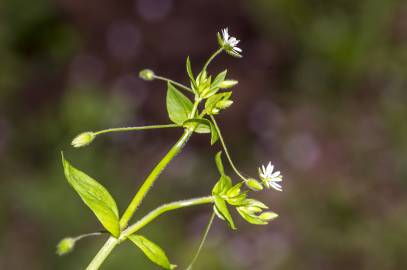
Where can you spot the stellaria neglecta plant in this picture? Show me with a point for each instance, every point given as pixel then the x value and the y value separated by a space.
pixel 184 114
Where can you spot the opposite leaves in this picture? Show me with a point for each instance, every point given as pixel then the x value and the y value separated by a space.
pixel 152 251
pixel 179 107
pixel 95 196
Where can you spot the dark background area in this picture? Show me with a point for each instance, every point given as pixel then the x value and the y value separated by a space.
pixel 322 94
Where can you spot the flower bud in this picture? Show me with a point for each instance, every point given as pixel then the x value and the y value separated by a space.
pixel 83 139
pixel 268 216
pixel 65 246
pixel 228 84
pixel 254 184
pixel 147 74
pixel 223 104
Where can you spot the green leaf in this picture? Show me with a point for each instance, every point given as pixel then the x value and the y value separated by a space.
pixel 190 73
pixel 214 133
pixel 95 196
pixel 219 79
pixel 252 219
pixel 222 208
pixel 179 106
pixel 201 125
pixel 222 186
pixel 219 164
pixel 152 251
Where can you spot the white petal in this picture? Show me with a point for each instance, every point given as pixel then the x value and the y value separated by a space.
pixel 275 174
pixel 276 186
pixel 270 168
pixel 237 49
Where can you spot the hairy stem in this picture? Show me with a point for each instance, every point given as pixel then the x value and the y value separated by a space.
pixel 112 242
pixel 208 227
pixel 174 83
pixel 135 128
pixel 101 256
pixel 211 58
pixel 226 149
pixel 161 210
pixel 142 192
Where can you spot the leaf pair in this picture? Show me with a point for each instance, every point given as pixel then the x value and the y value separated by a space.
pixel 95 196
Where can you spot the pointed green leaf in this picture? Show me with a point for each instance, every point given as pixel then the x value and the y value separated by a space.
pixel 219 79
pixel 95 196
pixel 191 74
pixel 251 218
pixel 214 133
pixel 222 208
pixel 189 70
pixel 178 105
pixel 152 251
pixel 219 164
pixel 222 186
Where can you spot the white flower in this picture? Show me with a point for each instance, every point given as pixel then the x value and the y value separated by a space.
pixel 229 43
pixel 270 178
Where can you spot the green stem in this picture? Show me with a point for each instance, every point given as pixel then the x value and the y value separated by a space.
pixel 88 235
pixel 161 210
pixel 112 242
pixel 174 83
pixel 142 192
pixel 101 256
pixel 211 58
pixel 208 227
pixel 135 128
pixel 226 149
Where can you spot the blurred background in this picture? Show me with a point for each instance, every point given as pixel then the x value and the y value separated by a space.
pixel 322 95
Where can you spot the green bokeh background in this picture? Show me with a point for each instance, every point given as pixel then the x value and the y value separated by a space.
pixel 322 95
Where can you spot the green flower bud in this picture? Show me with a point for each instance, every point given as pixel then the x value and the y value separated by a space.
pixel 254 184
pixel 228 84
pixel 147 74
pixel 223 104
pixel 65 246
pixel 83 139
pixel 268 216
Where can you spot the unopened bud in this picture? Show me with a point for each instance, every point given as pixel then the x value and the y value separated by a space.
pixel 268 216
pixel 223 104
pixel 228 84
pixel 254 184
pixel 83 139
pixel 147 74
pixel 65 246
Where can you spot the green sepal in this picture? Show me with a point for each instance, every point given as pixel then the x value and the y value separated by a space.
pixel 212 102
pixel 234 191
pixel 223 210
pixel 95 196
pixel 179 106
pixel 152 251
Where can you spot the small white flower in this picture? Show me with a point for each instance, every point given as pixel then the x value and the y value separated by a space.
pixel 229 43
pixel 270 178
